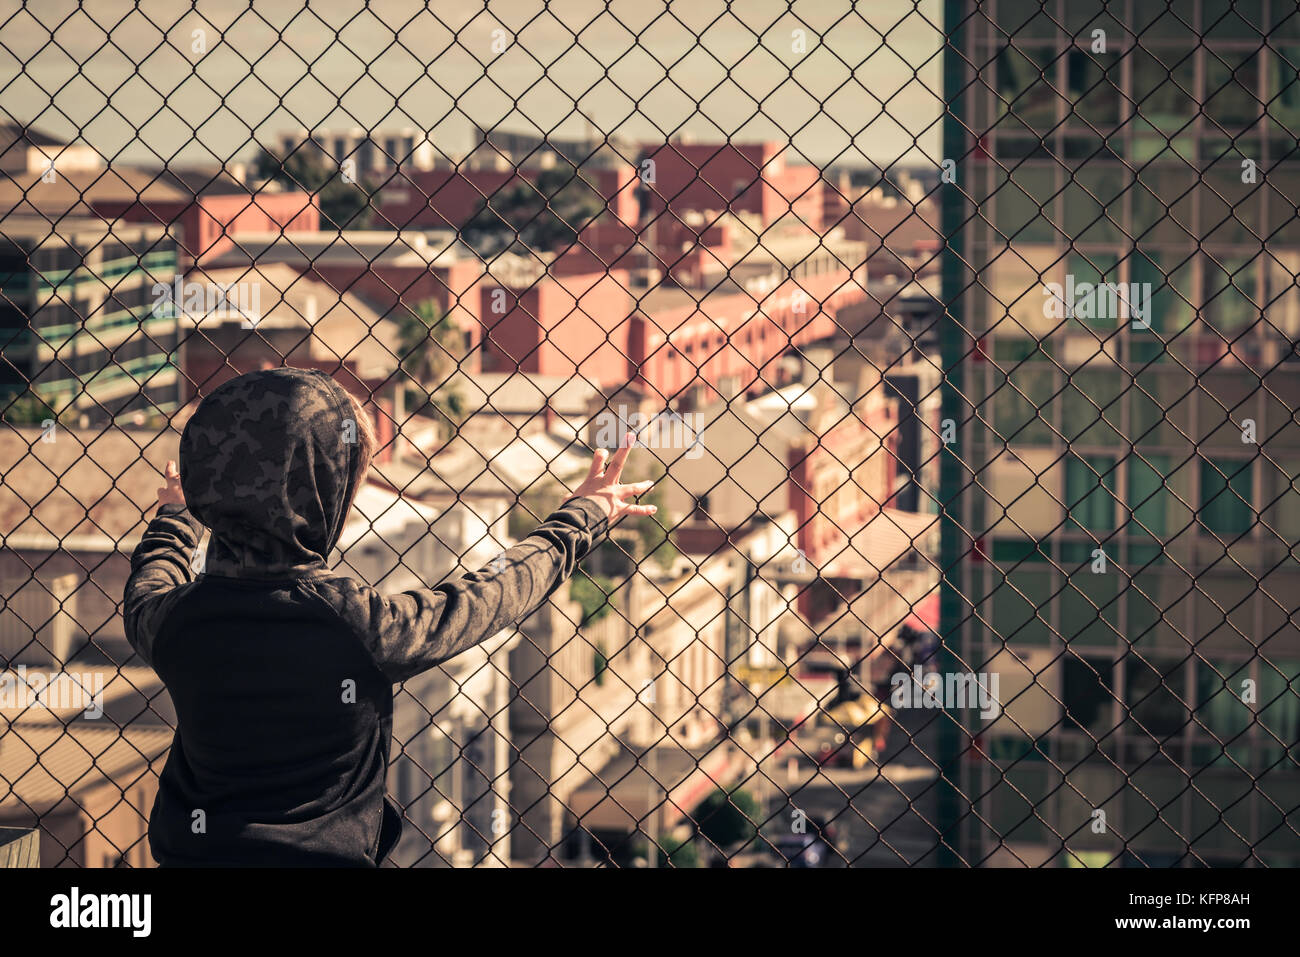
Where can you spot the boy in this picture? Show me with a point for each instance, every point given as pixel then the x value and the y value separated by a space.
pixel 282 671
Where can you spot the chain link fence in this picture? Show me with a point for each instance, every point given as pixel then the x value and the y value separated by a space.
pixel 958 338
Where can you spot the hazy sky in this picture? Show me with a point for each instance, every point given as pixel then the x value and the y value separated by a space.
pixel 643 69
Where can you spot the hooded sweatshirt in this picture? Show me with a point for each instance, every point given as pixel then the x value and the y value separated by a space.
pixel 280 670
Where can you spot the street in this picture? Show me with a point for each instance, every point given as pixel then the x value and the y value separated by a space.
pixel 880 816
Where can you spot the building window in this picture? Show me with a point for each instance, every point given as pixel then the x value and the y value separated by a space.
pixel 1229 292
pixel 1221 715
pixel 1017 401
pixel 1226 496
pixel 1154 698
pixel 1089 492
pixel 1279 715
pixel 1148 498
pixel 1086 693
pixel 1021 606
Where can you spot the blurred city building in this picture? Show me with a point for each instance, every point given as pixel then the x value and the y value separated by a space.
pixel 1126 547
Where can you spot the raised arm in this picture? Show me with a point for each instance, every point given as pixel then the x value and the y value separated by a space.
pixel 415 630
pixel 159 564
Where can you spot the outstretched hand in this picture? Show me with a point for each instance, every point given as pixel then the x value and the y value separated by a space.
pixel 602 484
pixel 171 494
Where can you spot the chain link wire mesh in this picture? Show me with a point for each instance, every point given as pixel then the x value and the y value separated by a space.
pixel 959 339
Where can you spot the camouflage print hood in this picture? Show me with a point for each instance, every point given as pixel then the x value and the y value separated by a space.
pixel 268 463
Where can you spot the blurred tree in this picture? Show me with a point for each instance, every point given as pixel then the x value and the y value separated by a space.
pixel 592 593
pixel 727 819
pixel 431 349
pixel 343 205
pixel 652 530
pixel 532 506
pixel 678 852
pixel 541 215
pixel 28 408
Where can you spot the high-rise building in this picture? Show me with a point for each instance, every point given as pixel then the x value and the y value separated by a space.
pixel 79 327
pixel 1121 346
pixel 372 151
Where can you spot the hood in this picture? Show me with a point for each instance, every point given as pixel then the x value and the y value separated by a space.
pixel 268 463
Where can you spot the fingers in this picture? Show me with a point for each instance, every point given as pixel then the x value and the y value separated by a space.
pixel 598 461
pixel 171 492
pixel 631 491
pixel 620 457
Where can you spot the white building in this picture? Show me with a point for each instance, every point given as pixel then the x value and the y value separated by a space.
pixel 372 151
pixel 29 150
pixel 450 740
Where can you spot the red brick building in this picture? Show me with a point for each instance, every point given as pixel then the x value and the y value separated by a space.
pixel 728 338
pixel 742 177
pixel 449 198
pixel 581 324
pixel 208 216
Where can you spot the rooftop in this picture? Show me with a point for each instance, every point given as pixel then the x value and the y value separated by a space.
pixel 380 247
pixel 89 489
pixel 9 132
pixel 129 694
pixel 383 512
pixel 342 326
pixel 73 193
pixel 508 393
pixel 509 467
pixel 34 231
pixel 45 765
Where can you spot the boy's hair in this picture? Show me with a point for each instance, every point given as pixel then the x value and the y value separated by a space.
pixel 365 438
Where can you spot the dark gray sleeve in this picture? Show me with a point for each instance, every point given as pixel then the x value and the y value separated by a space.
pixel 413 631
pixel 159 564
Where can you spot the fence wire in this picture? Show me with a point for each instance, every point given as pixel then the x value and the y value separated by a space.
pixel 959 339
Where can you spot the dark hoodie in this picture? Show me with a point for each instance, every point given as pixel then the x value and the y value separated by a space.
pixel 281 671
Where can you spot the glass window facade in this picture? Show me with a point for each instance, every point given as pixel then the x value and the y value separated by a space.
pixel 1152 193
